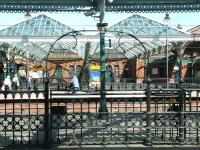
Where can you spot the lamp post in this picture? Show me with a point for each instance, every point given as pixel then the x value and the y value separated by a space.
pixel 167 21
pixel 7 65
pixel 25 43
pixel 102 29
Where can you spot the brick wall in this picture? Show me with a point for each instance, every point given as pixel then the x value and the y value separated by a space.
pixel 140 70
pixel 51 66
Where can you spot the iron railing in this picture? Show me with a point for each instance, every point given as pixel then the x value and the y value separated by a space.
pixel 153 116
pixel 140 84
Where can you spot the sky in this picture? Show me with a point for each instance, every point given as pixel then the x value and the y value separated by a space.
pixel 79 21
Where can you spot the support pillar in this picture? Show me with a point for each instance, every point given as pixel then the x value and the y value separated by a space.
pixel 181 114
pixel 102 29
pixel 181 105
pixel 148 140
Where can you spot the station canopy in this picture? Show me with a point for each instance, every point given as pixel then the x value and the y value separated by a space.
pixel 37 35
pixel 88 5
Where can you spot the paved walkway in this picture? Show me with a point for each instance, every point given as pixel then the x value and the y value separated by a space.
pixel 115 147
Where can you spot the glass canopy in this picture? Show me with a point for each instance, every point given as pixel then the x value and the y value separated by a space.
pixel 152 34
pixel 41 25
pixel 36 36
pixel 37 27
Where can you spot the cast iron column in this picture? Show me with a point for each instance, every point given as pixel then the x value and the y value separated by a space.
pixel 88 72
pixel 102 29
pixel 148 140
pixel 181 106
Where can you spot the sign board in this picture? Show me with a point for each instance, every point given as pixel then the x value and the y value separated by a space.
pixel 36 69
pixel 95 67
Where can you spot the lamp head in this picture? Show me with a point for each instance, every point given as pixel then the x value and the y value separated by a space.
pixel 27 15
pixel 167 19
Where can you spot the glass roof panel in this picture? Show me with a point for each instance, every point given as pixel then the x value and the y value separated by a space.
pixel 142 26
pixel 41 25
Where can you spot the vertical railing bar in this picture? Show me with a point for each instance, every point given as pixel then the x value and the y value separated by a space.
pixel 111 119
pixel 126 119
pixel 141 101
pixel 13 118
pixel 118 130
pixel 5 118
pixel 197 135
pixel 96 118
pixel 66 121
pixel 134 116
pixel 197 101
pixel 81 125
pixel 21 118
pixel 29 118
pixel 58 123
pixel 73 125
pixel 37 116
pixel 156 109
pixel 46 115
pixel 165 116
pixel 148 140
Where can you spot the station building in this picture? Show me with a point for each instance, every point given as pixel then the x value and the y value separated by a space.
pixel 25 47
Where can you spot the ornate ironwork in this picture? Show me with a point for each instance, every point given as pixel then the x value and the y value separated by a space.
pixel 86 5
pixel 26 115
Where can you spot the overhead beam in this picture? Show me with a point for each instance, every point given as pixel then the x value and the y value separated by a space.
pixel 85 5
pixel 94 38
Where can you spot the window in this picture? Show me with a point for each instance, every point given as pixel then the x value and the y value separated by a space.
pixel 108 73
pixel 127 72
pixel 154 71
pixel 58 72
pixel 78 70
pixel 71 71
pixel 162 72
pixel 116 73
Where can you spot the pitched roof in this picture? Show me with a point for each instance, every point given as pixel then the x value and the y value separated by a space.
pixel 41 25
pixel 141 26
pixel 194 30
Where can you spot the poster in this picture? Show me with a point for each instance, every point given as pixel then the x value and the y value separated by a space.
pixel 95 75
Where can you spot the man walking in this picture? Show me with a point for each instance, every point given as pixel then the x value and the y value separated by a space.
pixel 75 84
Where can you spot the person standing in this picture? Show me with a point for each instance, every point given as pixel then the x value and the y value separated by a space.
pixel 75 84
pixel 7 83
pixel 15 82
pixel 29 82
